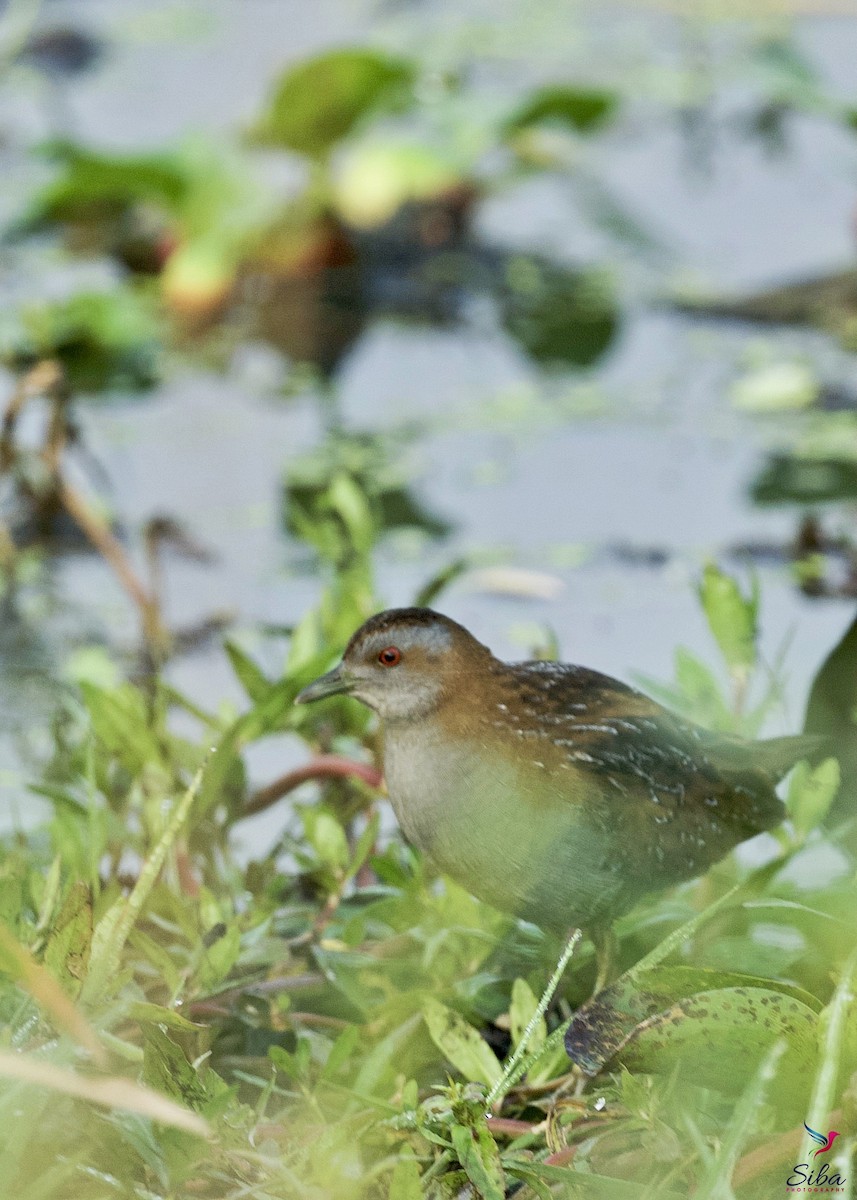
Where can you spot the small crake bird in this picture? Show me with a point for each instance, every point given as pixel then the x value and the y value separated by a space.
pixel 551 791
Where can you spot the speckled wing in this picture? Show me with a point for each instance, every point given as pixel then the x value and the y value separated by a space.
pixel 681 795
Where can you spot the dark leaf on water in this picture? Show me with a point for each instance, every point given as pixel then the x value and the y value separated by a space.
pixel 580 109
pixel 106 341
pixel 788 480
pixel 559 318
pixel 88 181
pixel 318 102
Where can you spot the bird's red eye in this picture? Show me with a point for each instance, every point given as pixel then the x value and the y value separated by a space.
pixel 390 657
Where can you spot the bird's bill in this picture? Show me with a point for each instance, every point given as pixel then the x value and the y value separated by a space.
pixel 334 683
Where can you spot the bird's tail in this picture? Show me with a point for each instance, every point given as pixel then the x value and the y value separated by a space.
pixel 777 756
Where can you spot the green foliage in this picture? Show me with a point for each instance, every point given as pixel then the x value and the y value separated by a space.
pixel 311 1009
pixel 329 1017
pixel 559 318
pixel 582 110
pixel 343 496
pixel 317 103
pixel 732 617
pixel 104 340
pixel 89 181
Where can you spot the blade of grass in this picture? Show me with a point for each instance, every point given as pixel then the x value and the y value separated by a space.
pixel 824 1086
pixel 516 1065
pixel 48 994
pixel 110 1091
pixel 715 1183
pixel 116 924
pixel 684 932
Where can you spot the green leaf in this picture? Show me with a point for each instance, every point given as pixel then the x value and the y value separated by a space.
pixel 320 101
pixel 68 947
pixel 523 1007
pixel 327 837
pixel 254 682
pixel 587 1186
pixel 559 318
pixel 342 1050
pixel 114 927
pixel 405 1180
pixel 108 340
pixel 461 1044
pixel 120 721
pixel 714 1184
pixel 811 793
pixel 156 1014
pixel 167 1069
pixel 86 177
pixel 838 1046
pixel 674 1014
pixel 732 617
pixel 831 712
pixel 219 959
pixel 583 110
pixel 364 845
pixel 789 479
pixel 477 1152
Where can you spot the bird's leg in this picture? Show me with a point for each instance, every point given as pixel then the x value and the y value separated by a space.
pixel 515 1068
pixel 604 940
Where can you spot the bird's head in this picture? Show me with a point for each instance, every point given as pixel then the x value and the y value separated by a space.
pixel 403 663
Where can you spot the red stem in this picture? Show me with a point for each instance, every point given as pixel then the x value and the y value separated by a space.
pixel 326 766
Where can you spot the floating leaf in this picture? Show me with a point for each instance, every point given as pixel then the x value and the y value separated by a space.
pixel 559 318
pixel 461 1044
pixel 582 110
pixel 320 101
pixel 89 177
pixel 775 387
pixel 344 496
pixel 106 341
pixel 790 480
pixel 376 179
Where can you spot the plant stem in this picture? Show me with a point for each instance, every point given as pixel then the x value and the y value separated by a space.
pixel 513 1069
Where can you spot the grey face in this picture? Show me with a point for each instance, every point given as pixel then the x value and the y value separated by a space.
pixel 398 670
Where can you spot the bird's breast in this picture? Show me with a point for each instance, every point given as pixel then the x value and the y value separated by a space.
pixel 514 838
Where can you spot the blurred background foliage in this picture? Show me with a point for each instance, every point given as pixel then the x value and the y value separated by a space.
pixel 477 309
